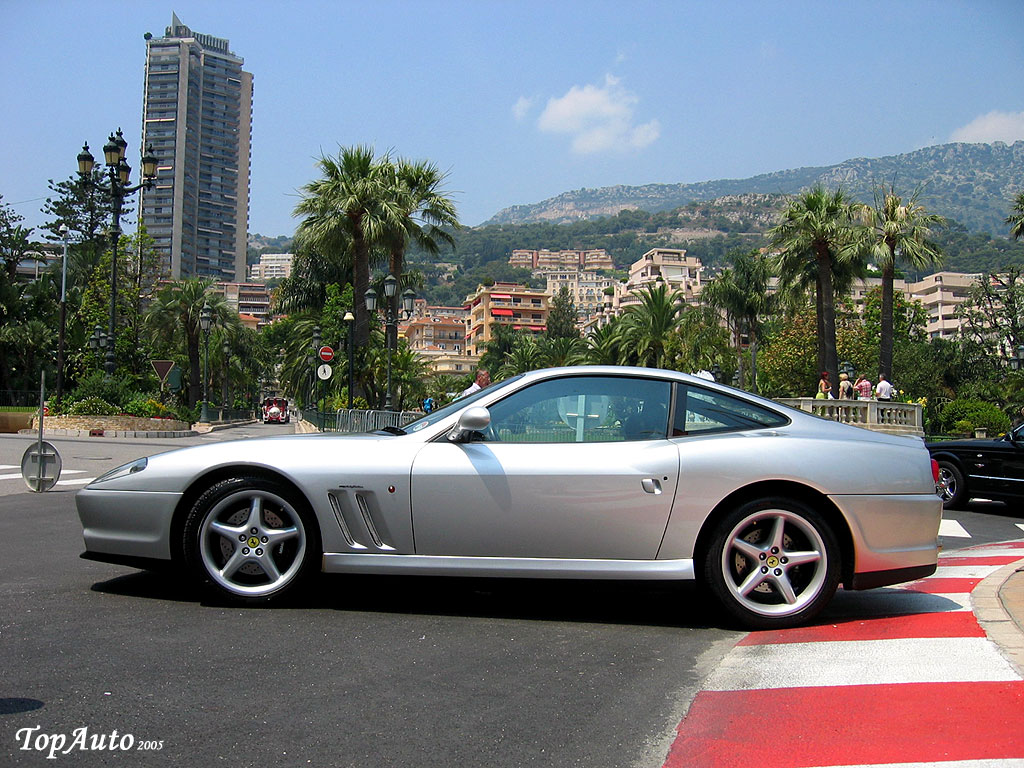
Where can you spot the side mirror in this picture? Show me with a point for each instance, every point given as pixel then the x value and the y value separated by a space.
pixel 473 419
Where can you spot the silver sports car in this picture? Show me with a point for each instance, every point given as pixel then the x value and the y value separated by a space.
pixel 586 472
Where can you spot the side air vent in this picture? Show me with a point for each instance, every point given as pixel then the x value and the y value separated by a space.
pixel 340 517
pixel 354 512
pixel 368 520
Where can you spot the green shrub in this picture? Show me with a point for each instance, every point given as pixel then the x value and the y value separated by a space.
pixel 93 406
pixel 146 407
pixel 115 391
pixel 964 416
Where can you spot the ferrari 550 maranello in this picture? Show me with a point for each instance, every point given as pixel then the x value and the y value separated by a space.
pixel 586 472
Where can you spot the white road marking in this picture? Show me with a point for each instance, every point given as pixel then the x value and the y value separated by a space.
pixel 1001 762
pixel 79 481
pixel 8 466
pixel 964 571
pixel 953 528
pixel 861 662
pixel 63 472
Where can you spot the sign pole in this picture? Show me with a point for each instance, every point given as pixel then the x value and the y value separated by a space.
pixel 42 407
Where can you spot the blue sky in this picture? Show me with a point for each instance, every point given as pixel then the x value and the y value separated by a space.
pixel 520 101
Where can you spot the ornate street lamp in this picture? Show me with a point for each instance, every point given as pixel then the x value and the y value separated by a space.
pixel 226 350
pixel 119 173
pixel 314 360
pixel 390 321
pixel 205 321
pixel 1017 361
pixel 716 371
pixel 98 340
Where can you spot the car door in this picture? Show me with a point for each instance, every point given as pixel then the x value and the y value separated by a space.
pixel 572 467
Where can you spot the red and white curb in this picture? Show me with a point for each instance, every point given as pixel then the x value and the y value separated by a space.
pixel 903 676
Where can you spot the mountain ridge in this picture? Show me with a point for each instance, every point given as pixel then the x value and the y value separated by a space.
pixel 972 183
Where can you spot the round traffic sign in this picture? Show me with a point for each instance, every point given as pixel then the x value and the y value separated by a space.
pixel 326 354
pixel 40 466
pixel 324 372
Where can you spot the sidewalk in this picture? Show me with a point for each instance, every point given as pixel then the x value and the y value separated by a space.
pixel 922 674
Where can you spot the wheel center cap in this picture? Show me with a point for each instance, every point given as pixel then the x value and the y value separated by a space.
pixel 253 542
pixel 772 561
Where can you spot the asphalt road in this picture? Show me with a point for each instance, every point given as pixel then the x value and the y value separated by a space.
pixel 359 672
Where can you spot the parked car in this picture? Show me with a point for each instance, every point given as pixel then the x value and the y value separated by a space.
pixel 990 468
pixel 584 472
pixel 275 411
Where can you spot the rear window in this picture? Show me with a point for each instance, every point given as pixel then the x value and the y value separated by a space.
pixel 701 411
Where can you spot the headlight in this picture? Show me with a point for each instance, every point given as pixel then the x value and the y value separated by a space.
pixel 126 469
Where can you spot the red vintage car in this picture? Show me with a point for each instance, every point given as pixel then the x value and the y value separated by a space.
pixel 275 410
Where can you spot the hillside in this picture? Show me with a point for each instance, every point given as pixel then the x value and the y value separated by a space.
pixel 970 183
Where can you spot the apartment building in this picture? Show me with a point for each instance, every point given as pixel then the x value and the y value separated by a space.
pixel 587 289
pixel 272 266
pixel 504 304
pixel 246 299
pixel 550 261
pixel 197 116
pixel 438 336
pixel 941 293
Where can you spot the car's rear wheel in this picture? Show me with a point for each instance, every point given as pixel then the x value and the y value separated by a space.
pixel 773 563
pixel 951 487
pixel 251 539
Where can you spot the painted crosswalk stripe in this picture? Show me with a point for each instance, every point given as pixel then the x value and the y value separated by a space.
pixel 926 684
pixel 79 481
pixel 952 528
pixel 63 472
pixel 8 466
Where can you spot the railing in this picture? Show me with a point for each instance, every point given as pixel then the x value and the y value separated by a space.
pixel 877 415
pixel 18 400
pixel 354 421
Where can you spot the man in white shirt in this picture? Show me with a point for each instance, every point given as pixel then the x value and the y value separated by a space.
pixel 483 378
pixel 883 389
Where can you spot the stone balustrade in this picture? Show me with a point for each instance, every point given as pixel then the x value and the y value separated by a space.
pixel 876 415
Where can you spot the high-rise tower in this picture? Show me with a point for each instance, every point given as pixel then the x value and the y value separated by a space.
pixel 197 115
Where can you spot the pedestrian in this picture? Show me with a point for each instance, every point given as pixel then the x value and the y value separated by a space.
pixel 824 388
pixel 428 404
pixel 483 378
pixel 863 388
pixel 846 391
pixel 883 389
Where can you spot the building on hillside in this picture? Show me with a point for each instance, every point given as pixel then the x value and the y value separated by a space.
pixel 586 288
pixel 438 337
pixel 272 266
pixel 246 299
pixel 197 116
pixel 250 322
pixel 941 293
pixel 504 304
pixel 548 261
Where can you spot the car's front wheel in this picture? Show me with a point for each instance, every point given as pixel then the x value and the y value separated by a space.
pixel 772 563
pixel 251 539
pixel 951 487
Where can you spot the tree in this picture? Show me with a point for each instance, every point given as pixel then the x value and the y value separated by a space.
pixel 1016 219
pixel 814 232
pixel 562 317
pixel 348 213
pixel 423 211
pixel 173 319
pixel 993 313
pixel 649 325
pixel 741 292
pixel 78 204
pixel 892 230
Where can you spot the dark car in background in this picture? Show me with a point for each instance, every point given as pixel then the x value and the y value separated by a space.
pixel 988 468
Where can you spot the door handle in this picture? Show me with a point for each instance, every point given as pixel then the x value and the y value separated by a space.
pixel 651 485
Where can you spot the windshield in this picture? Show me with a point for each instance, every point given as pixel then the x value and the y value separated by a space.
pixel 457 405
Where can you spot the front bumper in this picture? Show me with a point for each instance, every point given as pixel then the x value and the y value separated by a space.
pixel 127 524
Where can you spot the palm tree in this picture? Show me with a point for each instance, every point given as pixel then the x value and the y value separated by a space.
pixel 650 324
pixel 525 355
pixel 604 343
pixel 1016 219
pixel 173 318
pixel 893 230
pixel 741 292
pixel 348 213
pixel 423 210
pixel 811 238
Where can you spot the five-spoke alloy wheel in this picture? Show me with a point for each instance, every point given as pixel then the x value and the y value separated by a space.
pixel 250 539
pixel 773 563
pixel 951 487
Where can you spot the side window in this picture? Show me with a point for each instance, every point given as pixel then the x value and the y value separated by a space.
pixel 583 409
pixel 701 410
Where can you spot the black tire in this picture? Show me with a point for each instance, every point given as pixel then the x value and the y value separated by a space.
pixel 749 566
pixel 251 539
pixel 951 486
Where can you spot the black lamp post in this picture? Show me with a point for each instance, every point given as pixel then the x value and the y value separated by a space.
pixel 205 321
pixel 349 318
pixel 1017 361
pixel 390 322
pixel 716 372
pixel 226 349
pixel 118 189
pixel 314 360
pixel 98 340
pixel 63 311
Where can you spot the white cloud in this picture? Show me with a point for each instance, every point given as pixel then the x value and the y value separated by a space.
pixel 598 118
pixel 995 126
pixel 521 107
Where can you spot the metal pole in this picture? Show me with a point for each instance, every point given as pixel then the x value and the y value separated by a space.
pixel 205 414
pixel 115 193
pixel 39 448
pixel 350 350
pixel 63 315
